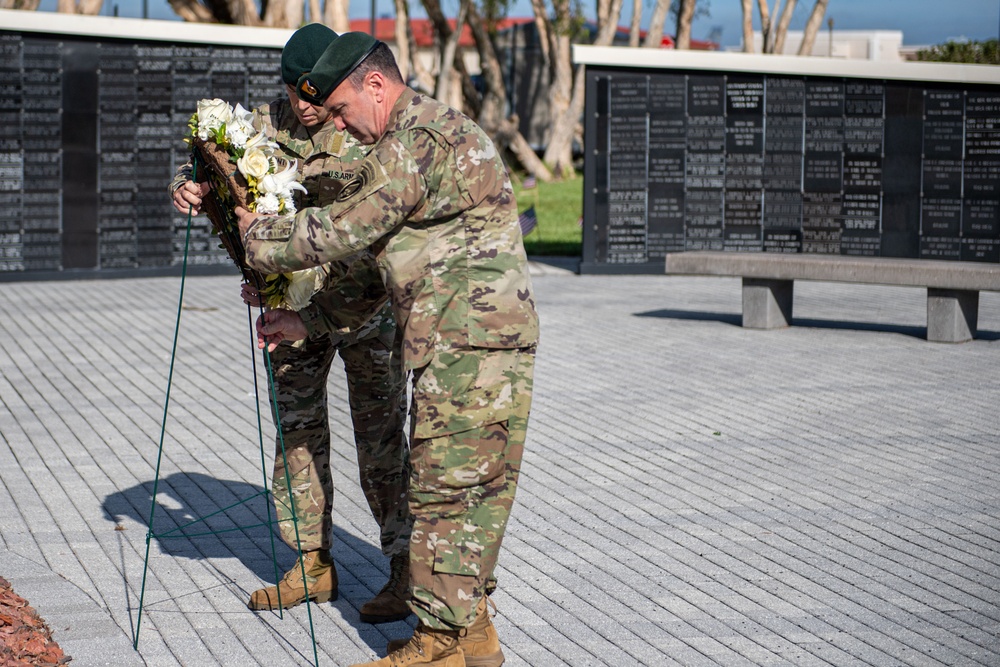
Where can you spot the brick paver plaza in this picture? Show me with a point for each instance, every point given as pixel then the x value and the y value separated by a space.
pixel 693 493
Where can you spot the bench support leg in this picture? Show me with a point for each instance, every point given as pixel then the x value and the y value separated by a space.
pixel 952 315
pixel 767 304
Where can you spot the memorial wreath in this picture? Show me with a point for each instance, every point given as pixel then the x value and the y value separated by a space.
pixel 242 168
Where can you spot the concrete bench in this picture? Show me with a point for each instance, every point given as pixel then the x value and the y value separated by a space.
pixel 952 287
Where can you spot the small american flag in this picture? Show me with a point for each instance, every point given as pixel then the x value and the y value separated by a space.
pixel 529 182
pixel 528 221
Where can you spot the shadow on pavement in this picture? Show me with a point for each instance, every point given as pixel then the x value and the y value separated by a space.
pixel 201 518
pixel 736 319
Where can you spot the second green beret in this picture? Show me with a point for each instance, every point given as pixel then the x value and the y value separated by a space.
pixel 303 49
pixel 339 59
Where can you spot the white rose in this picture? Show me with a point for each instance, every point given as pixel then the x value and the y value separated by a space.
pixel 212 114
pixel 267 204
pixel 254 164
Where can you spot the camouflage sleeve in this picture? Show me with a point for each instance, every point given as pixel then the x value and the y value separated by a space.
pixel 352 294
pixel 184 174
pixel 385 189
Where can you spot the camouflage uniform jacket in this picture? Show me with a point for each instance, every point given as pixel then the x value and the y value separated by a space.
pixel 353 291
pixel 435 200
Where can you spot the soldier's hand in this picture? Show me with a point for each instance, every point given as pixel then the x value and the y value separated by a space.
pixel 189 196
pixel 251 296
pixel 276 326
pixel 245 218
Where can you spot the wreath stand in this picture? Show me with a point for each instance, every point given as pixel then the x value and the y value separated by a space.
pixel 179 532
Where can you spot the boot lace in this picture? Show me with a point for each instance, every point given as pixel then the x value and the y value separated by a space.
pixel 397 564
pixel 409 652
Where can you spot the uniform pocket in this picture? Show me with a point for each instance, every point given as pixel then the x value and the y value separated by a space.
pixel 460 553
pixel 437 416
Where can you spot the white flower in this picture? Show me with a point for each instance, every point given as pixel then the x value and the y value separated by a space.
pixel 212 114
pixel 287 206
pixel 303 284
pixel 240 127
pixel 267 204
pixel 281 183
pixel 254 164
pixel 261 141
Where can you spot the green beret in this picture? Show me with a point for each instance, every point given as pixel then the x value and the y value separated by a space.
pixel 303 49
pixel 341 57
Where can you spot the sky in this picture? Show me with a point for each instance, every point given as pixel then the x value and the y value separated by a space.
pixel 923 22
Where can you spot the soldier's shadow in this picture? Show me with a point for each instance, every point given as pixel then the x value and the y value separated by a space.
pixel 200 517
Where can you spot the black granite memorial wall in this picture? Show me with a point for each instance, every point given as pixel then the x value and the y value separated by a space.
pixel 753 162
pixel 91 132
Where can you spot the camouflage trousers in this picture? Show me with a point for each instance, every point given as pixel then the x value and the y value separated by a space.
pixel 469 419
pixel 377 396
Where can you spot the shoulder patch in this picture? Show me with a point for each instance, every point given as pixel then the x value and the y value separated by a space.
pixel 368 178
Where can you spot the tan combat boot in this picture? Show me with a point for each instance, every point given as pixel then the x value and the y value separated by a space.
pixel 433 648
pixel 321 580
pixel 480 642
pixel 390 603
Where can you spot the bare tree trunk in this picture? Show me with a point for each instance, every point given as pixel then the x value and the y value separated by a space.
pixel 22 5
pixel 559 148
pixel 544 27
pixel 782 32
pixel 402 40
pixel 633 32
pixel 812 27
pixel 495 96
pixel 602 10
pixel 510 137
pixel 448 51
pixel 503 130
pixel 335 15
pixel 654 38
pixel 443 32
pixel 284 13
pixel 87 7
pixel 424 79
pixel 765 26
pixel 244 12
pixel 566 103
pixel 235 12
pixel 192 11
pixel 685 14
pixel 747 26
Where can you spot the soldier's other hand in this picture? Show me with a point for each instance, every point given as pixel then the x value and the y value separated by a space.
pixel 189 196
pixel 246 218
pixel 275 326
pixel 251 296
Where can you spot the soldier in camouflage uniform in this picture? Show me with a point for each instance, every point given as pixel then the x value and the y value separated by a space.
pixel 350 315
pixel 434 201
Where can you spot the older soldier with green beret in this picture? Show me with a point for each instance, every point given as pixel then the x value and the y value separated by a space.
pixel 350 315
pixel 434 201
